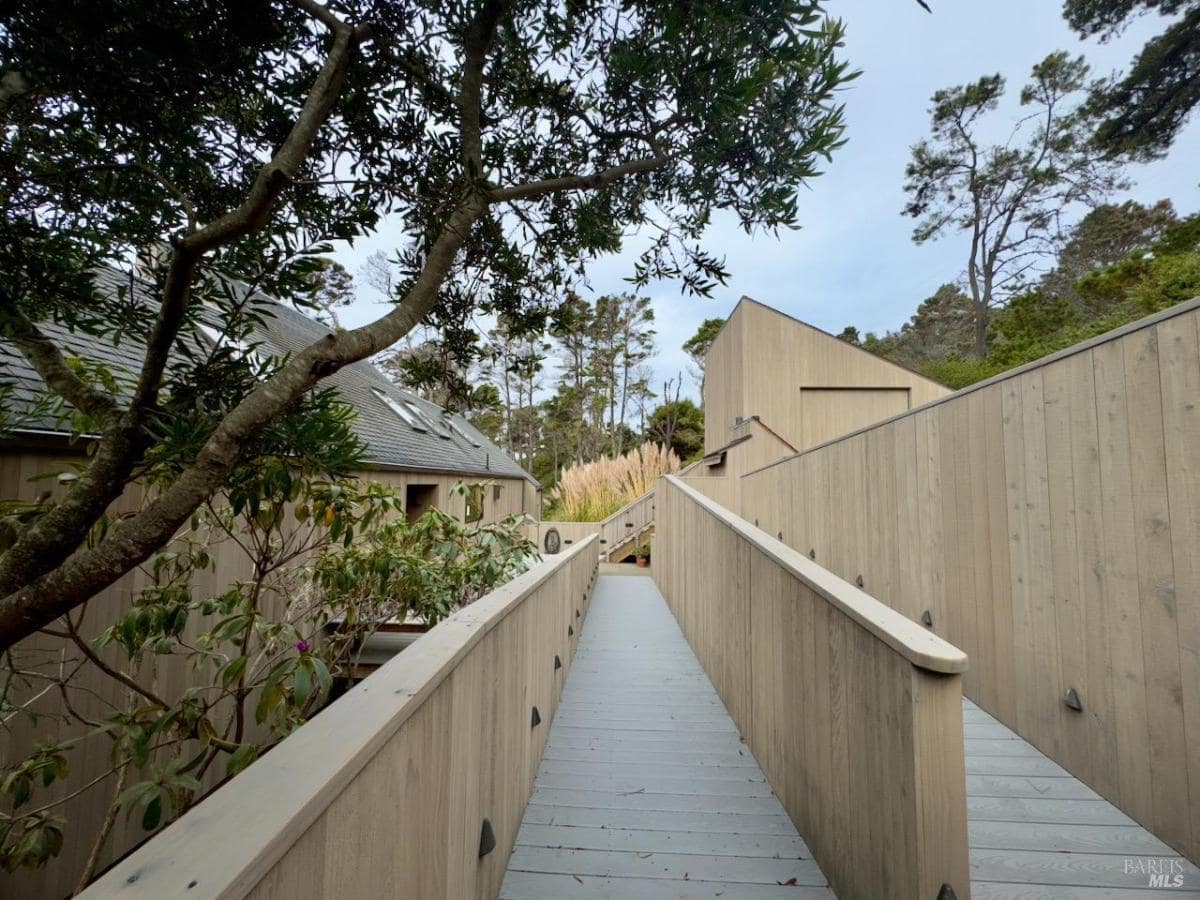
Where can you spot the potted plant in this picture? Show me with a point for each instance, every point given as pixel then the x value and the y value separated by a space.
pixel 643 554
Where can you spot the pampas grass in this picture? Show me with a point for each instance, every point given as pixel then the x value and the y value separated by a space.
pixel 590 492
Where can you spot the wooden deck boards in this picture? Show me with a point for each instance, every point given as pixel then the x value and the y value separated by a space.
pixel 1037 833
pixel 646 791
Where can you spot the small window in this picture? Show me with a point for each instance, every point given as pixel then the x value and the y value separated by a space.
pixel 474 511
pixel 406 413
pixel 426 421
pixel 418 500
pixel 495 493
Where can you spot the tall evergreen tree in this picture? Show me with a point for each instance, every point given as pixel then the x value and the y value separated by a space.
pixel 1143 110
pixel 1007 199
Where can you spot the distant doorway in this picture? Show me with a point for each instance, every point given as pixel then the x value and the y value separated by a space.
pixel 418 500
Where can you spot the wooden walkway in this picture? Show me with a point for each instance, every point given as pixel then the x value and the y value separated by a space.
pixel 1037 833
pixel 646 792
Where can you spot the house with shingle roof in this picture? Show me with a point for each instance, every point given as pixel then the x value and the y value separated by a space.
pixel 412 444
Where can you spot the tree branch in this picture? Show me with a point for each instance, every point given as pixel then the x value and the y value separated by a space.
pixel 251 214
pixel 478 41
pixel 52 366
pixel 594 181
pixel 129 542
pixel 59 532
pixel 72 633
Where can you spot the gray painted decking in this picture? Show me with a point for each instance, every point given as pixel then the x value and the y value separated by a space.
pixel 646 791
pixel 1037 833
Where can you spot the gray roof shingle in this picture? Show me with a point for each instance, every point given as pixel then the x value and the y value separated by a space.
pixel 391 442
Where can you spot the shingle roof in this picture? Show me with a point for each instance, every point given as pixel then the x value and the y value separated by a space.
pixel 391 441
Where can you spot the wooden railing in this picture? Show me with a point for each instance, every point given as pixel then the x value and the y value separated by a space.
pixel 615 532
pixel 411 785
pixel 853 711
pixel 1047 522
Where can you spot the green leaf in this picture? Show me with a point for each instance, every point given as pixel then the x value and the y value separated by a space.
pixel 242 757
pixel 271 696
pixel 323 676
pixel 302 683
pixel 187 782
pixel 153 813
pixel 21 788
pixel 233 671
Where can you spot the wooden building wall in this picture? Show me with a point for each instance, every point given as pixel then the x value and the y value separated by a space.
pixel 1048 522
pixel 516 496
pixel 722 482
pixel 97 694
pixel 724 382
pixel 806 385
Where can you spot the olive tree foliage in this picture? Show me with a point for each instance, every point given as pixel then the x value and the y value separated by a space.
pixel 1141 111
pixel 1009 199
pixel 513 142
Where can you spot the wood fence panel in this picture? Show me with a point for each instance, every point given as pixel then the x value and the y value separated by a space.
pixel 1179 356
pixel 1156 589
pixel 853 712
pixel 384 792
pixel 1047 520
pixel 1120 588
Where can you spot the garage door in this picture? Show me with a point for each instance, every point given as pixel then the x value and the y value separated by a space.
pixel 827 413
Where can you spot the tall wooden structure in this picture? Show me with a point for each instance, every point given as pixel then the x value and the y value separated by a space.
pixel 804 384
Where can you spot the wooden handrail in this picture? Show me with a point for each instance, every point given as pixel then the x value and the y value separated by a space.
pixel 226 845
pixel 624 510
pixel 853 713
pixel 918 645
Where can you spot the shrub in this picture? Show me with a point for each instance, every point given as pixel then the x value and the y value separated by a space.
pixel 589 492
pixel 331 561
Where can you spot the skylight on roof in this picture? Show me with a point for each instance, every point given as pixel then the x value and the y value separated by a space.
pixel 240 349
pixel 406 413
pixel 460 432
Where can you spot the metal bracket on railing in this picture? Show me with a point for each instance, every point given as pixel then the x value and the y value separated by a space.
pixel 487 839
pixel 1071 698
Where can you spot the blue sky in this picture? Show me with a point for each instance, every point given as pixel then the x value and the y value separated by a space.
pixel 853 260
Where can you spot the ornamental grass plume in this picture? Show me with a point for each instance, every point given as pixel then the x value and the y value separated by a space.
pixel 590 492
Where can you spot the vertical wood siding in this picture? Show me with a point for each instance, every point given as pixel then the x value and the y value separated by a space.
pixel 1049 522
pixel 384 793
pixel 806 385
pixel 853 712
pixel 98 695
